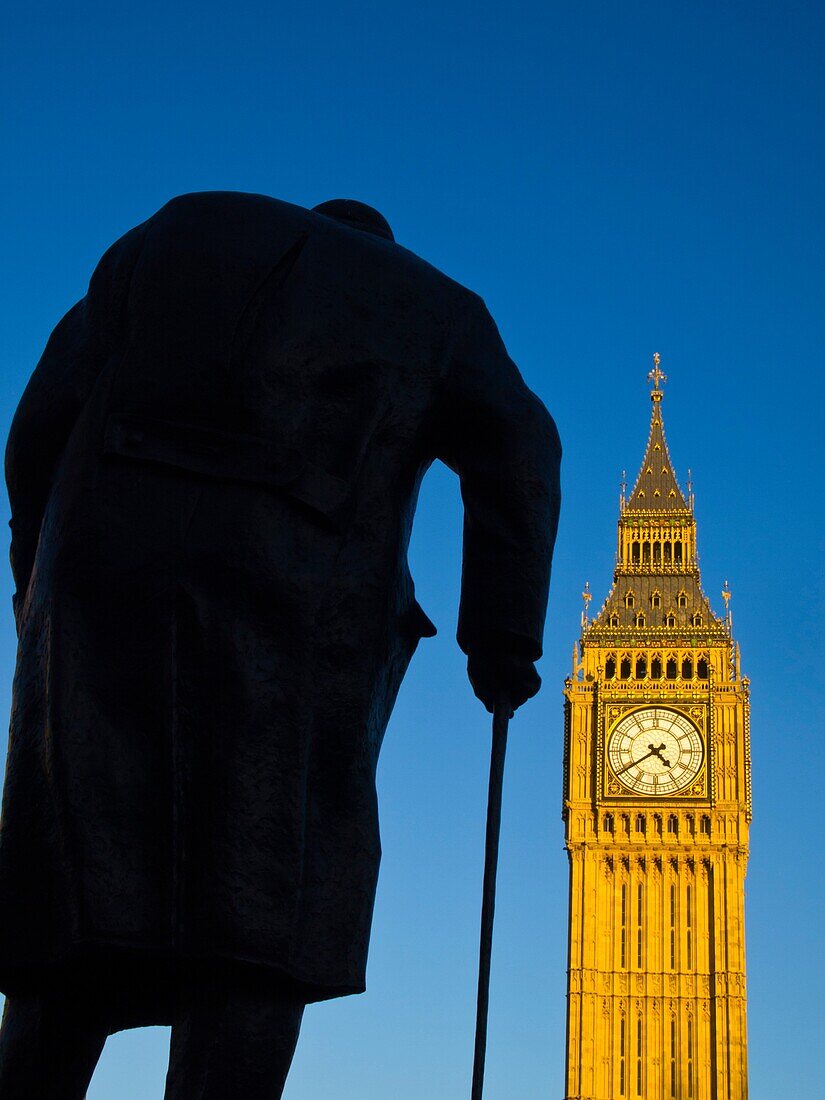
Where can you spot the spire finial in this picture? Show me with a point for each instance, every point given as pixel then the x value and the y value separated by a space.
pixel 656 376
pixel 587 596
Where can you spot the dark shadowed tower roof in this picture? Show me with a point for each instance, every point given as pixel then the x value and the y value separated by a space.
pixel 657 595
pixel 656 487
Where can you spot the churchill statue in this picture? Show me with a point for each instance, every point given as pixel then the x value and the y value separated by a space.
pixel 213 473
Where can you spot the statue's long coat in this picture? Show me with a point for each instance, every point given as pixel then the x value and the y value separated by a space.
pixel 213 473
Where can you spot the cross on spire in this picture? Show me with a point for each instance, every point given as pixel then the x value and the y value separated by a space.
pixel 657 375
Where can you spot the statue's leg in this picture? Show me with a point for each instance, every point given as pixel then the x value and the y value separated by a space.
pixel 231 1041
pixel 49 1047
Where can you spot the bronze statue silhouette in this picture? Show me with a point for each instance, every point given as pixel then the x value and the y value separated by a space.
pixel 213 473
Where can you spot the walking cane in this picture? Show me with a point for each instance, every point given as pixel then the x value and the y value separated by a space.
pixel 501 720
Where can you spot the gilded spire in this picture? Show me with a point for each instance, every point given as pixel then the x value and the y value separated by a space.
pixel 656 487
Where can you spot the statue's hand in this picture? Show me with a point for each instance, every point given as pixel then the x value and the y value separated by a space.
pixel 498 672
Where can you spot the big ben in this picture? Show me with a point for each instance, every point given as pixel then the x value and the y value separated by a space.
pixel 657 805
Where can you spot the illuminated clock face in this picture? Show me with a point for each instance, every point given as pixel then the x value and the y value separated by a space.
pixel 655 751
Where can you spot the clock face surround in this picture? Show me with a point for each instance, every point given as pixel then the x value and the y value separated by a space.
pixel 655 751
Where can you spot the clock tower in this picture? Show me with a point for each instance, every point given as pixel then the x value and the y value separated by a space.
pixel 657 804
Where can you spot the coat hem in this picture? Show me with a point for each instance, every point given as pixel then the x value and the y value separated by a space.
pixel 157 975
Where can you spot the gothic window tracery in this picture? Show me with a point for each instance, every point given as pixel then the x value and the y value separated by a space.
pixel 639 923
pixel 689 926
pixel 639 1052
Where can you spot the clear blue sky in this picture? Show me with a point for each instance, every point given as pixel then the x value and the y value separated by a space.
pixel 615 179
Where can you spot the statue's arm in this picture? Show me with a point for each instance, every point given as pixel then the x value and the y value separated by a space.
pixel 503 444
pixel 71 363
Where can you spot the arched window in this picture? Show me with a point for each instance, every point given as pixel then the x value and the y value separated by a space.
pixel 702 670
pixel 641 826
pixel 625 823
pixel 646 553
pixel 634 553
pixel 610 667
pixel 673 825
pixel 704 825
pixel 689 928
pixel 656 599
pixel 656 668
pixel 624 668
pixel 641 668
pixel 640 915
pixel 687 669
pixel 677 553
pixel 639 1043
pixel 672 671
pixel 681 599
pixel 668 553
pixel 670 619
pixel 608 823
pixel 657 824
pixel 614 619
pixel 657 553
pixel 629 599
pixel 689 1054
pixel 697 619
pixel 640 618
pixel 691 824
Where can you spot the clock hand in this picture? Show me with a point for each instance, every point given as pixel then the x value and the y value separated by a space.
pixel 633 763
pixel 658 752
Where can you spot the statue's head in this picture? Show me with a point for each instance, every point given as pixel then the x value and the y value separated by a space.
pixel 358 215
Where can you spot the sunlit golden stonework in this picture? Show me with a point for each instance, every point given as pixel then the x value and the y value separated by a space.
pixel 657 806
